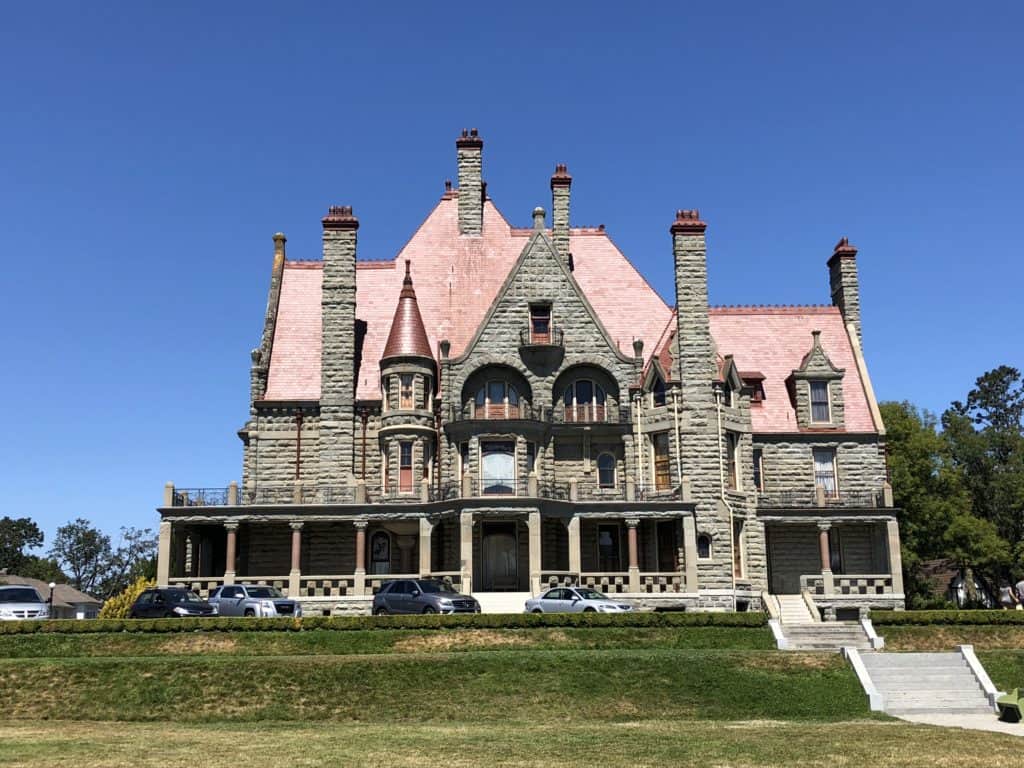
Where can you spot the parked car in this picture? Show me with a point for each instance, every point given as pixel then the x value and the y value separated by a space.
pixel 421 596
pixel 17 602
pixel 575 600
pixel 259 600
pixel 169 603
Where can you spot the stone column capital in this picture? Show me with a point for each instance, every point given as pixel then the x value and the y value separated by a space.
pixel 231 526
pixel 360 524
pixel 824 525
pixel 632 522
pixel 297 525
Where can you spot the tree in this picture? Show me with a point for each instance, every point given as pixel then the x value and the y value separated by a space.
pixel 986 438
pixel 975 545
pixel 134 558
pixel 118 605
pixel 44 569
pixel 16 536
pixel 84 553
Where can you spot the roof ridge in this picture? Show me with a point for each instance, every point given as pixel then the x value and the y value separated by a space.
pixel 774 308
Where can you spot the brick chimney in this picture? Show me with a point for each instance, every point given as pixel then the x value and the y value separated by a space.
pixel 561 183
pixel 337 358
pixel 842 278
pixel 469 151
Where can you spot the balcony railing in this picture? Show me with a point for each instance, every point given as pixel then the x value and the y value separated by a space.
pixel 200 497
pixel 554 337
pixel 571 414
pixel 821 498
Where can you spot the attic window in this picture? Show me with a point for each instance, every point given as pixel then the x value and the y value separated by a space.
pixel 757 395
pixel 820 412
pixel 658 391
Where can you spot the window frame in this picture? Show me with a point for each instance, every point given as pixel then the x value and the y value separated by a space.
pixel 541 313
pixel 406 393
pixel 662 479
pixel 485 407
pixel 732 454
pixel 758 456
pixel 815 452
pixel 600 470
pixel 826 403
pixel 710 546
pixel 405 480
pixel 594 410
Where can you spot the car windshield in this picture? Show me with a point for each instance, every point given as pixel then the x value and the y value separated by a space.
pixel 264 592
pixel 182 596
pixel 435 587
pixel 20 595
pixel 591 594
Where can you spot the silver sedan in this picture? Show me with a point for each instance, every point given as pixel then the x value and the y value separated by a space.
pixel 575 600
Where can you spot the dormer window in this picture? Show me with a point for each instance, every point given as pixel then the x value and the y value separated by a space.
pixel 658 392
pixel 757 395
pixel 540 323
pixel 820 411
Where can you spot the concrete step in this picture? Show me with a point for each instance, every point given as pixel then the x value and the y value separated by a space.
pixel 916 660
pixel 502 602
pixel 945 683
pixel 986 710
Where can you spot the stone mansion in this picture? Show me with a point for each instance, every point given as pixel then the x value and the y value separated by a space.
pixel 513 408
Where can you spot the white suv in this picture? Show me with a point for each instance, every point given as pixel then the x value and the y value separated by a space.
pixel 20 602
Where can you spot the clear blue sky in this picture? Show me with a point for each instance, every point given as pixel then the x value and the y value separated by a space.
pixel 149 151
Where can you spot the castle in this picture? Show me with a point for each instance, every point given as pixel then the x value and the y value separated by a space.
pixel 516 408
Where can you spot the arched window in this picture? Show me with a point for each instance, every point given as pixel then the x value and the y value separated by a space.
pixel 497 400
pixel 606 470
pixel 703 546
pixel 584 401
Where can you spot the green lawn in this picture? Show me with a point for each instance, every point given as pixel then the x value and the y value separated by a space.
pixel 939 637
pixel 549 744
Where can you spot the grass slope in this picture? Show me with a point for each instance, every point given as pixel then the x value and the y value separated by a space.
pixel 496 686
pixel 465 745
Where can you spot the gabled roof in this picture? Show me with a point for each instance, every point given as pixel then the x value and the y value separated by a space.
pixel 407 337
pixel 63 594
pixel 457 280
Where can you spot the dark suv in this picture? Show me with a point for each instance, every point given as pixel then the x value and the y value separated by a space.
pixel 169 603
pixel 421 596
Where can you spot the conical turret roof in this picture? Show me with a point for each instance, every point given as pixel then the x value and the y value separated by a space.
pixel 408 337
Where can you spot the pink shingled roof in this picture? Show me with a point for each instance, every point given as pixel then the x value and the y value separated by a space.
pixel 295 357
pixel 773 341
pixel 457 279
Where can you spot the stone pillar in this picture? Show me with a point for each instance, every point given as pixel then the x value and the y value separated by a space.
pixel 532 486
pixel 466 551
pixel 232 548
pixel 469 155
pixel 690 550
pixel 842 274
pixel 575 552
pixel 233 494
pixel 337 372
pixel 163 556
pixel 561 182
pixel 892 528
pixel 467 486
pixel 426 531
pixel 533 526
pixel 295 575
pixel 168 494
pixel 634 560
pixel 826 558
pixel 359 588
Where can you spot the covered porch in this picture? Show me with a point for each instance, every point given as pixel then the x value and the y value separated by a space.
pixel 842 564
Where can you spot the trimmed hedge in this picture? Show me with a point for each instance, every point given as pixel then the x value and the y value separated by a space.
pixel 927 618
pixel 343 623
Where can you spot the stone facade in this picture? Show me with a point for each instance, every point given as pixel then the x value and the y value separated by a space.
pixel 535 451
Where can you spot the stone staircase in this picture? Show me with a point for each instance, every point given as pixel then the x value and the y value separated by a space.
pixel 918 683
pixel 502 602
pixel 793 610
pixel 826 636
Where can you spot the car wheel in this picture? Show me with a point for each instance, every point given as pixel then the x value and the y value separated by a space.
pixel 590 610
pixel 536 610
pixel 429 609
pixel 382 611
pixel 250 612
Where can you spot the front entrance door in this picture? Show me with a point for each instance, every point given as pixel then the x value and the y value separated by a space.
pixel 499 548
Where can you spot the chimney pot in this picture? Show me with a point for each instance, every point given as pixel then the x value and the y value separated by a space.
pixel 340 217
pixel 688 222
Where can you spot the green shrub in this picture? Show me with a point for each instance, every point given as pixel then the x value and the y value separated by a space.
pixel 927 618
pixel 343 623
pixel 118 606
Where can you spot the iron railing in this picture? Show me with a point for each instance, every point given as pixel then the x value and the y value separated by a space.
pixel 807 499
pixel 530 338
pixel 572 414
pixel 200 497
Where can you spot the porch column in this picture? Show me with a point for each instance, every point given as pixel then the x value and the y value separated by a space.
pixel 163 556
pixel 295 575
pixel 466 551
pixel 359 586
pixel 826 559
pixel 533 526
pixel 574 545
pixel 229 559
pixel 892 528
pixel 634 560
pixel 690 551
pixel 426 531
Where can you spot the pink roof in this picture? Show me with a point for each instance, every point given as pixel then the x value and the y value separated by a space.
pixel 457 280
pixel 773 341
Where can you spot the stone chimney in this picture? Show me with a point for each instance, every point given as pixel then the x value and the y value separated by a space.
pixel 842 277
pixel 561 183
pixel 337 358
pixel 469 151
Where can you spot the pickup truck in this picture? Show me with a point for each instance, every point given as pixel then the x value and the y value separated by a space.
pixel 253 600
